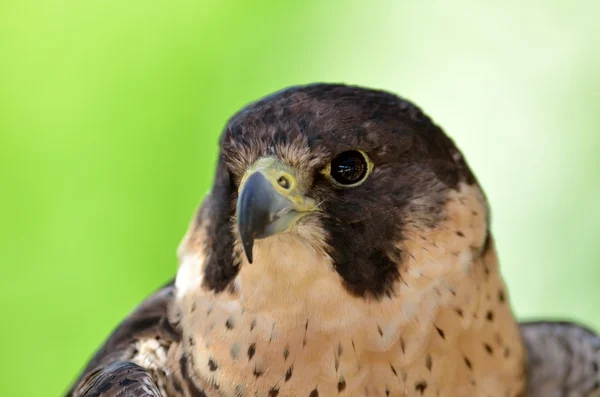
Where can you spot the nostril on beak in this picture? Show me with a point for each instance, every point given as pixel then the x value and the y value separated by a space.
pixel 283 182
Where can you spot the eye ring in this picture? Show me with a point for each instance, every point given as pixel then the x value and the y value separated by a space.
pixel 349 168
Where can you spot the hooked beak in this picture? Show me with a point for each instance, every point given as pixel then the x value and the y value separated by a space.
pixel 269 202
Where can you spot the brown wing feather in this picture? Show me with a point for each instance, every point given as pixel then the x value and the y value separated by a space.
pixel 563 359
pixel 110 363
pixel 117 380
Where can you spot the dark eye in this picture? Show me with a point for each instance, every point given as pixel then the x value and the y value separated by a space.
pixel 349 168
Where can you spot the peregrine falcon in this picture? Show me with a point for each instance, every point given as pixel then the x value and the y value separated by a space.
pixel 343 250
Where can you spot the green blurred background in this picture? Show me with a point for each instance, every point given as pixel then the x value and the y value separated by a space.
pixel 110 112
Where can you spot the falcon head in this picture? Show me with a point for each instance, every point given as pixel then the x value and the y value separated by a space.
pixel 361 178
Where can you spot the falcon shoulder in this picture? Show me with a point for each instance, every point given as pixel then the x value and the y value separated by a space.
pixel 114 370
pixel 563 359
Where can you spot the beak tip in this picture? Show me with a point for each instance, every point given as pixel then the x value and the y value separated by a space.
pixel 248 251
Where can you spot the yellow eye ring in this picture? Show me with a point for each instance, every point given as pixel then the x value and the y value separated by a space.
pixel 349 168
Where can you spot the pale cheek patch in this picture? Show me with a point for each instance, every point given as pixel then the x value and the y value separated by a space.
pixel 189 275
pixel 448 247
pixel 192 257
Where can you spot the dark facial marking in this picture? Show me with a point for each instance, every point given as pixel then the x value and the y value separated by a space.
pixel 314 393
pixel 221 264
pixel 366 267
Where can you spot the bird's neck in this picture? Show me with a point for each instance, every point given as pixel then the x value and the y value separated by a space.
pixel 289 309
pixel 292 312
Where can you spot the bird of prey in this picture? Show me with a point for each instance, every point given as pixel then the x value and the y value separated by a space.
pixel 343 250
